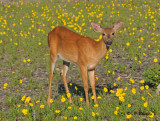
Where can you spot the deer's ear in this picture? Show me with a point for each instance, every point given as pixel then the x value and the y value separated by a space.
pixel 96 27
pixel 118 25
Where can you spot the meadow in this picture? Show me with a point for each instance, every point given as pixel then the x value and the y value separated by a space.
pixel 126 79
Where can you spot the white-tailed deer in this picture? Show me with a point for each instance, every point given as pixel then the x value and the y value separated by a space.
pixel 84 51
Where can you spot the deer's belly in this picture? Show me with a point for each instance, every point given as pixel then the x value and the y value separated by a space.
pixel 68 57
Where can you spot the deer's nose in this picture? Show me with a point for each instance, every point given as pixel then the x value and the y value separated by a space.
pixel 109 43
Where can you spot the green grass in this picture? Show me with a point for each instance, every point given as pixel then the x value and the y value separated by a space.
pixel 24 27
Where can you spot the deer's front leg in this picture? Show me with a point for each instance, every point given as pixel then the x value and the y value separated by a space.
pixel 63 76
pixel 93 84
pixel 85 82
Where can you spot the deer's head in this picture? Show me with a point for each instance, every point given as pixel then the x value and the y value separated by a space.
pixel 107 33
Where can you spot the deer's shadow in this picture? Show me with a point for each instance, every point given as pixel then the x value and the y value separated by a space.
pixel 80 89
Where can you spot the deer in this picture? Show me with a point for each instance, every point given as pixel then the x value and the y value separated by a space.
pixel 81 50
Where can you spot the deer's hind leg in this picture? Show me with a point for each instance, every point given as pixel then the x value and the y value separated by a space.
pixel 53 58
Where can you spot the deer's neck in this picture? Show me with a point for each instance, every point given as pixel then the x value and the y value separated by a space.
pixel 102 47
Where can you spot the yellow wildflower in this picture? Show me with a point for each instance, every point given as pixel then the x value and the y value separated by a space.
pixel 133 90
pixel 117 108
pixel 27 100
pixel 24 61
pixel 116 112
pixel 93 114
pixel 41 106
pixel 147 87
pixel 142 87
pixel 125 88
pixel 37 101
pixel 76 88
pixel 105 89
pixel 145 104
pixel 96 105
pixel 135 58
pixel 25 111
pixel 69 107
pixel 110 50
pixel 118 78
pixel 65 117
pixel 63 99
pixel 99 97
pixel 149 94
pixel 142 81
pixel 143 98
pixel 68 95
pixel 5 84
pixel 155 60
pixel 129 105
pixel 51 101
pixel 23 98
pixel 112 91
pixel 39 43
pixel 131 80
pixel 20 81
pixel 80 108
pixel 128 116
pixel 97 114
pixel 144 54
pixel 83 24
pixel 100 37
pixel 92 97
pixel 28 60
pixel 128 44
pixel 57 111
pixel 4 87
pixel 70 84
pixel 151 115
pixel 75 118
pixel 31 104
pixel 81 99
pixel 121 98
pixel 114 84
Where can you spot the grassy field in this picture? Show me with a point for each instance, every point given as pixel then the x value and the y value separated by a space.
pixel 126 78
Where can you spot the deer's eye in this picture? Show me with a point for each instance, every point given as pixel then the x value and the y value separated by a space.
pixel 103 34
pixel 112 33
